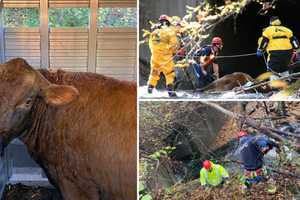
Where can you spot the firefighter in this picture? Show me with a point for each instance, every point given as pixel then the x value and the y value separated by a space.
pixel 205 62
pixel 252 150
pixel 163 45
pixel 212 174
pixel 279 43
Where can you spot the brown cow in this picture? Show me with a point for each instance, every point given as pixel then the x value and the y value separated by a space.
pixel 231 81
pixel 80 127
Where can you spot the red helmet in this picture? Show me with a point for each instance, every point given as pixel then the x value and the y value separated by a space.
pixel 216 41
pixel 164 17
pixel 242 134
pixel 207 164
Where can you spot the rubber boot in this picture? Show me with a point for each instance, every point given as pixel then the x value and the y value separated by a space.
pixel 150 89
pixel 171 91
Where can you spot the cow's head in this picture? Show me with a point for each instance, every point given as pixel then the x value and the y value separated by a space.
pixel 20 88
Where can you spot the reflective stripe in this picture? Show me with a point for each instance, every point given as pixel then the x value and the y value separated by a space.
pixel 279 37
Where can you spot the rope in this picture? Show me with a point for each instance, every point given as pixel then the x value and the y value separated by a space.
pixel 238 55
pixel 266 63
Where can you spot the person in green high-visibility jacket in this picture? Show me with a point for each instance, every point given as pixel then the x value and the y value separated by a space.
pixel 212 174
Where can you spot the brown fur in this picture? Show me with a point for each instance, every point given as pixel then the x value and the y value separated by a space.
pixel 87 147
pixel 228 82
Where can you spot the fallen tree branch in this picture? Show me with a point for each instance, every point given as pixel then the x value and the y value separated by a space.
pixel 250 122
pixel 241 90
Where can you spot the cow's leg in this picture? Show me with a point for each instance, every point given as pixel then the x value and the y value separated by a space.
pixel 71 191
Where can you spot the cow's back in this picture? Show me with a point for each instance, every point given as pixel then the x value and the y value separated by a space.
pixel 98 131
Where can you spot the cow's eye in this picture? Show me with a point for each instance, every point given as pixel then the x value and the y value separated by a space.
pixel 28 101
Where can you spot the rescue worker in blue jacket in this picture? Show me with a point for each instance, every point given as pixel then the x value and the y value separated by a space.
pixel 204 58
pixel 252 151
pixel 278 41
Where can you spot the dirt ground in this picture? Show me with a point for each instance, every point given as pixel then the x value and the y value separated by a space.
pixel 23 192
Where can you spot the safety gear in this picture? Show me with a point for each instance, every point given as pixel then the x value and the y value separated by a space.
pixel 216 41
pixel 278 41
pixel 164 18
pixel 253 177
pixel 279 60
pixel 213 177
pixel 207 164
pixel 275 21
pixel 242 134
pixel 163 44
pixel 295 43
pixel 276 38
pixel 262 143
pixel 171 91
pixel 150 89
pixel 259 53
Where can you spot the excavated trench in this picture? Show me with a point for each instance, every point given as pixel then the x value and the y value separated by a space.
pixel 193 132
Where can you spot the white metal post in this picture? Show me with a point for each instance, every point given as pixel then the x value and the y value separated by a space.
pixel 44 33
pixel 92 48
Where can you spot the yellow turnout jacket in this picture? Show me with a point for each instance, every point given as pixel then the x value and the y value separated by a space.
pixel 279 38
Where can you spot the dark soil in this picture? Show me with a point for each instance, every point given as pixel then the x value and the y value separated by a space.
pixel 23 192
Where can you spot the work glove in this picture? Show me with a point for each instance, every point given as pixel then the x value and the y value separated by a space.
pixel 259 53
pixel 216 75
pixel 181 52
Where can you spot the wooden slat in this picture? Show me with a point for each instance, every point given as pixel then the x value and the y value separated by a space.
pixel 116 71
pixel 116 44
pixel 69 48
pixel 117 3
pixel 117 30
pixel 68 54
pixel 116 62
pixel 13 53
pixel 70 45
pixel 22 30
pixel 24 43
pixel 68 3
pixel 21 3
pixel 116 53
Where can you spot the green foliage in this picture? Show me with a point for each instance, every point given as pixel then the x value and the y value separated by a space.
pixel 68 17
pixel 142 192
pixel 147 197
pixel 21 17
pixel 117 17
pixel 165 151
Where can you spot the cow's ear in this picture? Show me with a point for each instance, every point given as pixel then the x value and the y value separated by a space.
pixel 58 95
